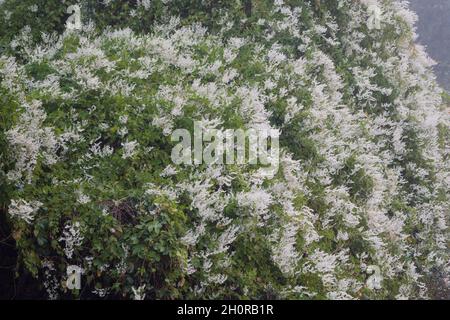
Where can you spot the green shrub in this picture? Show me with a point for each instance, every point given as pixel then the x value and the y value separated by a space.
pixel 86 152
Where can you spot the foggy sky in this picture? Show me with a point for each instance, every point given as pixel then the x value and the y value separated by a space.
pixel 434 32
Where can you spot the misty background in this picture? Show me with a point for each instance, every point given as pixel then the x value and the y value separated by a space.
pixel 434 32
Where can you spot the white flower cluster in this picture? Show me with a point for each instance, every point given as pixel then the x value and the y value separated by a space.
pixel 24 210
pixel 72 237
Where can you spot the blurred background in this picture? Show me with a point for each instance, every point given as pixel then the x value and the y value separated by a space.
pixel 434 32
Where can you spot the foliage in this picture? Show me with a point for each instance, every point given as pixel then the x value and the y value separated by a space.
pixel 88 179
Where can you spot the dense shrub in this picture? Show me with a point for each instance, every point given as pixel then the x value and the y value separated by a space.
pixel 35 17
pixel 363 177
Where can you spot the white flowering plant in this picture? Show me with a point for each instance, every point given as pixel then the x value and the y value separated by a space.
pixel 363 176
